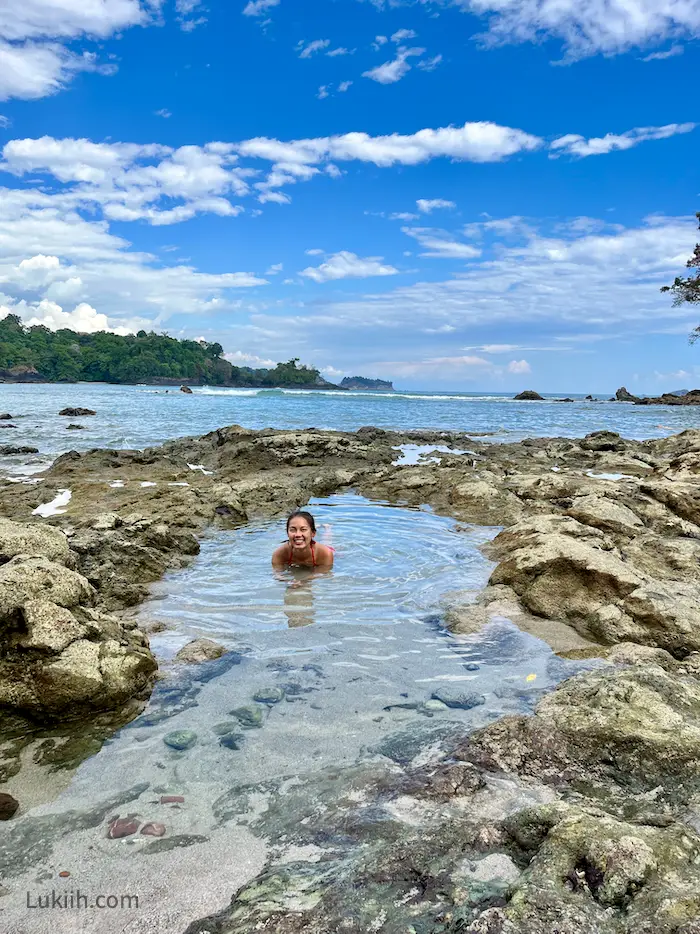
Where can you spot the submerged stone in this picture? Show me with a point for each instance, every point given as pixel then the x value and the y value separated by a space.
pixel 269 695
pixel 249 717
pixel 153 829
pixel 8 806
pixel 458 699
pixel 231 740
pixel 180 739
pixel 122 827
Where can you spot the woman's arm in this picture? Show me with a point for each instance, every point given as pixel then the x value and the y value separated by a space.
pixel 279 557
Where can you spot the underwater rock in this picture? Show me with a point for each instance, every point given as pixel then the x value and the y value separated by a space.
pixel 199 650
pixel 249 717
pixel 122 827
pixel 458 699
pixel 73 412
pixel 172 799
pixel 74 427
pixel 153 829
pixel 231 740
pixel 180 739
pixel 8 450
pixel 8 806
pixel 271 695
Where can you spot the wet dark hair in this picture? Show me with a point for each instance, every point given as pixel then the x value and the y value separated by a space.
pixel 299 514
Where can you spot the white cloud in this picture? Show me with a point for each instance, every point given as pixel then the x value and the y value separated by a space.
pixel 598 26
pixel 50 253
pixel 498 348
pixel 322 92
pixel 165 114
pixel 83 318
pixel 32 70
pixel 344 86
pixel 314 252
pixel 669 53
pixel 35 63
pixel 4 122
pixel 519 366
pixel 259 7
pixel 346 265
pixel 334 53
pixel 430 64
pixel 379 41
pixel 473 142
pixel 426 205
pixel 437 243
pixel 274 269
pixel 402 34
pixel 395 70
pixel 575 145
pixel 186 10
pixel 239 358
pixel 308 49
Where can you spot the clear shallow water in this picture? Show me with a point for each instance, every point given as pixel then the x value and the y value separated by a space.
pixel 356 681
pixel 139 416
pixel 391 564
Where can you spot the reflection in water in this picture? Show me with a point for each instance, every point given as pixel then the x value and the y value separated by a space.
pixel 299 595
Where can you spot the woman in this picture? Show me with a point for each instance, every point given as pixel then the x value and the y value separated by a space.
pixel 301 550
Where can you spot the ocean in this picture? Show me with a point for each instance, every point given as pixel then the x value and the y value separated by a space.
pixel 141 416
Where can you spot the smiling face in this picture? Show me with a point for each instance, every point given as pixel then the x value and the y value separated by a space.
pixel 300 533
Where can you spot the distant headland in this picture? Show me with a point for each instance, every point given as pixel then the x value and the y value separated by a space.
pixel 361 382
pixel 39 355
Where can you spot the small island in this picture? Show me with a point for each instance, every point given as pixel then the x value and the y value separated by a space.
pixel 361 382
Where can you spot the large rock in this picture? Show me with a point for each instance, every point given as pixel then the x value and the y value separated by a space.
pixel 561 569
pixel 20 539
pixel 59 656
pixel 602 513
pixel 529 395
pixel 622 395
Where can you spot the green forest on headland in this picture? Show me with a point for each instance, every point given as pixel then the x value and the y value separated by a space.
pixel 37 353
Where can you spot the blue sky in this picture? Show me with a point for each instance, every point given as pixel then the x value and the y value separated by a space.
pixel 466 194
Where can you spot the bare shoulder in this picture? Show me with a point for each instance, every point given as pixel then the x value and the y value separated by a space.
pixel 324 556
pixel 280 555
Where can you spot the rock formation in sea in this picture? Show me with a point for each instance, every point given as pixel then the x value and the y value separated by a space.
pixel 529 395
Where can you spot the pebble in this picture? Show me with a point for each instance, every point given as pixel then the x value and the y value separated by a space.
pixel 226 726
pixel 249 717
pixel 153 829
pixel 231 740
pixel 172 799
pixel 8 806
pixel 123 827
pixel 472 666
pixel 457 699
pixel 268 695
pixel 433 704
pixel 180 739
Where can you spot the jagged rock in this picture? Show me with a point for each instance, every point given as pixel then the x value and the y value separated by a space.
pixel 622 395
pixel 199 650
pixel 563 570
pixel 8 450
pixel 186 389
pixel 603 513
pixel 76 412
pixel 603 441
pixel 20 539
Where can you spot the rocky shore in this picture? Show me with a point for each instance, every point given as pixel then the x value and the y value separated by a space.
pixel 581 819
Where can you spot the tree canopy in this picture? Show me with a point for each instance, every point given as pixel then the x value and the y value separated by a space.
pixel 67 356
pixel 688 289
